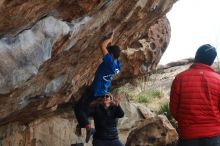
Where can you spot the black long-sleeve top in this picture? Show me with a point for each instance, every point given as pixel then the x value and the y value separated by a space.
pixel 106 121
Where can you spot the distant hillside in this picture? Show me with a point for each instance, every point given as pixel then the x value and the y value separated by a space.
pixel 162 78
pixel 158 83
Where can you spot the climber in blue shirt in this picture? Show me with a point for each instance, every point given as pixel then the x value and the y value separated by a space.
pixel 100 85
pixel 104 74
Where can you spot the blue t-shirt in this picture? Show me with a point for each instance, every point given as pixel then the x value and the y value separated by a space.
pixel 103 75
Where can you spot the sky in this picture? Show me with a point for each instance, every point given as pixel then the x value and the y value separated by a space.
pixel 193 23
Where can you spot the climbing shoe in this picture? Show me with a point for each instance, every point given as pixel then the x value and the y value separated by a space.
pixel 89 133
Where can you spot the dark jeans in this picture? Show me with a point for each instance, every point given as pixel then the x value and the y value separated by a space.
pixel 81 108
pixel 211 141
pixel 115 142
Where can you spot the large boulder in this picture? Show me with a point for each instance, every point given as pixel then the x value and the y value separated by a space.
pixel 48 55
pixel 155 131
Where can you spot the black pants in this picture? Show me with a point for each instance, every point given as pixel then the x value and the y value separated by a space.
pixel 211 141
pixel 115 142
pixel 81 108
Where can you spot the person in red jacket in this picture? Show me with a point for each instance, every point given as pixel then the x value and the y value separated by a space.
pixel 195 101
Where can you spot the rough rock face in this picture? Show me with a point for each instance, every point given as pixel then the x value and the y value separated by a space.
pixel 144 55
pixel 18 15
pixel 50 131
pixel 156 131
pixel 49 49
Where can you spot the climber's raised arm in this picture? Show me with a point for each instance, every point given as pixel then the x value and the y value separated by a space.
pixel 105 42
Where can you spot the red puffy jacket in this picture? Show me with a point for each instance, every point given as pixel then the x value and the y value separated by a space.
pixel 195 102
